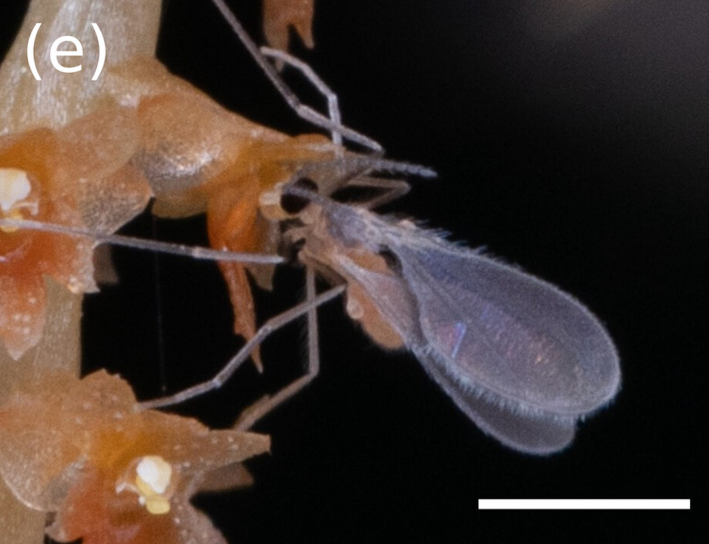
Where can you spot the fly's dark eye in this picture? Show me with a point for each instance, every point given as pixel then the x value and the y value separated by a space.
pixel 294 204
pixel 390 259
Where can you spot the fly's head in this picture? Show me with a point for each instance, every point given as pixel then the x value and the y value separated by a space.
pixel 310 219
pixel 346 244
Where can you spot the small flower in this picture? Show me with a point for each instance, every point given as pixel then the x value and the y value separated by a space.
pixel 34 185
pixel 77 177
pixel 109 471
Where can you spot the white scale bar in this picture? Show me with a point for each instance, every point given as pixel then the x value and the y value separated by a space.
pixel 583 504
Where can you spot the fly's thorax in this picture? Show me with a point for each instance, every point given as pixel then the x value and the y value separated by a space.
pixel 319 249
pixel 345 241
pixel 351 227
pixel 329 230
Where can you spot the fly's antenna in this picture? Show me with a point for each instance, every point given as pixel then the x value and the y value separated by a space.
pixel 305 112
pixel 194 252
pixel 355 171
pixel 360 164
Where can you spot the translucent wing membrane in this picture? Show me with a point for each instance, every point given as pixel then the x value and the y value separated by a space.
pixel 522 432
pixel 497 328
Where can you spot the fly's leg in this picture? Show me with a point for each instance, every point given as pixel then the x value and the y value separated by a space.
pixel 266 404
pixel 333 106
pixel 391 189
pixel 303 111
pixel 235 362
pixel 200 253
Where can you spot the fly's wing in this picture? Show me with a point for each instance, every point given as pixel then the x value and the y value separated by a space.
pixel 519 431
pixel 503 335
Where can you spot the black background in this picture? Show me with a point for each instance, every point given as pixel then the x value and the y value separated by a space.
pixel 572 143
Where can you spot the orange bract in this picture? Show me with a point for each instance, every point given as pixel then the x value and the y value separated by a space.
pixel 234 219
pixel 279 15
pixel 110 471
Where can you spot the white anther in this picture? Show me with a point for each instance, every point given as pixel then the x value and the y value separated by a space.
pixel 14 187
pixel 154 471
